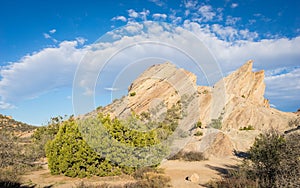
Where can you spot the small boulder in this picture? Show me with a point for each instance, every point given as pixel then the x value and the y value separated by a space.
pixel 193 178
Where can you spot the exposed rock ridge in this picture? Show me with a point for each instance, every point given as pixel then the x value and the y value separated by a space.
pixel 247 84
pixel 237 100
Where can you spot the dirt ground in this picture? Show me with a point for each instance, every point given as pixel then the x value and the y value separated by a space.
pixel 207 171
pixel 43 179
pixel 177 170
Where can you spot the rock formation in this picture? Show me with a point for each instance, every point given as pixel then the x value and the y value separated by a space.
pixel 235 101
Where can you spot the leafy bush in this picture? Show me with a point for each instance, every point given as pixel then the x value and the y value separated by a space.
pixel 114 146
pixel 250 127
pixel 46 133
pixel 132 94
pixel 216 123
pixel 122 144
pixel 274 162
pixel 198 133
pixel 198 125
pixel 70 155
pixel 276 159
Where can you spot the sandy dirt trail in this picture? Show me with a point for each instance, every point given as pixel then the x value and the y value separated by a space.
pixel 207 170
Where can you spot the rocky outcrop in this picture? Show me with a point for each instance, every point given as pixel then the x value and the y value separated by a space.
pixel 236 101
pixel 214 143
pixel 245 103
pixel 246 84
pixel 163 82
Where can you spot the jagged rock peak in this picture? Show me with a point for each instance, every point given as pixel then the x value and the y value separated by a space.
pixel 247 84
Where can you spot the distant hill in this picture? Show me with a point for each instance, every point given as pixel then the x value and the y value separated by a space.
pixel 7 123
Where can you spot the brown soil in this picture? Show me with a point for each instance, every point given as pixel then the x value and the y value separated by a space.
pixel 43 178
pixel 178 171
pixel 207 170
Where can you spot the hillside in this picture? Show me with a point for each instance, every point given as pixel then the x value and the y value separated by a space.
pixel 7 123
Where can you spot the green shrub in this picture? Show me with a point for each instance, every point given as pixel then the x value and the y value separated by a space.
pixel 248 128
pixel 132 94
pixel 145 116
pixel 198 125
pixel 216 123
pixel 274 161
pixel 198 133
pixel 123 144
pixel 70 155
pixel 119 141
pixel 44 134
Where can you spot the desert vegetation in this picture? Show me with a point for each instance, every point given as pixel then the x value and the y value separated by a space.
pixel 17 156
pixel 247 128
pixel 103 146
pixel 188 156
pixel 274 161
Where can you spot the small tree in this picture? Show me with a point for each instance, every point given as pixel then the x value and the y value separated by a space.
pixel 276 159
pixel 70 155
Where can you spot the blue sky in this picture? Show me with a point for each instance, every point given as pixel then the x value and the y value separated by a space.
pixel 42 43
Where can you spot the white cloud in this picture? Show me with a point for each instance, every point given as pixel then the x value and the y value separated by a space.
pixel 174 18
pixel 111 89
pixel 5 106
pixel 158 2
pixel 46 35
pixel 159 16
pixel 190 4
pixel 227 33
pixel 81 40
pixel 39 73
pixel 207 13
pixel 52 31
pixel 132 13
pixel 234 5
pixel 144 14
pixel 120 18
pixel 232 20
pixel 284 89
pixel 246 34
